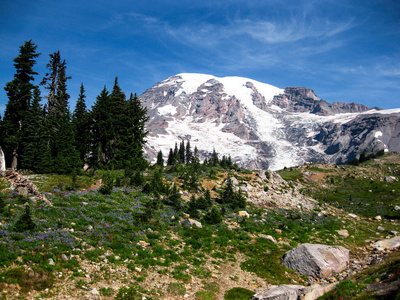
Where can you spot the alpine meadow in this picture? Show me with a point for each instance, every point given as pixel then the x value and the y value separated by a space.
pixel 202 188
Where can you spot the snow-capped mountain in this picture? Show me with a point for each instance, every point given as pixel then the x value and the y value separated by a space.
pixel 262 126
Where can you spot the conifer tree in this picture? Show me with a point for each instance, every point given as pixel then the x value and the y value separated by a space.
pixel 59 132
pixel 182 152
pixel 132 134
pixel 32 134
pixel 171 158
pixel 19 93
pixel 100 130
pixel 188 154
pixel 80 125
pixel 160 159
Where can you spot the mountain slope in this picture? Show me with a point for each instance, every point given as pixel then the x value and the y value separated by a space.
pixel 262 126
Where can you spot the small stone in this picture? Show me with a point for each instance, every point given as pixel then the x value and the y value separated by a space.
pixel 378 218
pixel 94 291
pixel 73 224
pixel 51 262
pixel 381 228
pixel 343 233
pixel 64 257
pixel 244 213
pixel 137 269
pixel 397 208
pixel 90 227
pixel 353 216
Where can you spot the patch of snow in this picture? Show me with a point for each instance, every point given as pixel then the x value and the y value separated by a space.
pixel 378 134
pixel 167 110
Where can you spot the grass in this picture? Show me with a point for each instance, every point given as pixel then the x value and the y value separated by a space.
pixel 96 227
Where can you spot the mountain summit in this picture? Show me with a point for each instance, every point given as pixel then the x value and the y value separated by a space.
pixel 261 126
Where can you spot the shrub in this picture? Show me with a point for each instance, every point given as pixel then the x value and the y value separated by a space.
pixel 108 184
pixel 25 223
pixel 214 216
pixel 238 293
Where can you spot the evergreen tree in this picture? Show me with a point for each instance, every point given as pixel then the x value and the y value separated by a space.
pixel 19 93
pixel 188 153
pixel 176 154
pixel 64 158
pixel 182 152
pixel 132 134
pixel 101 132
pixel 160 159
pixel 32 134
pixel 228 193
pixel 192 207
pixel 214 159
pixel 80 125
pixel 171 158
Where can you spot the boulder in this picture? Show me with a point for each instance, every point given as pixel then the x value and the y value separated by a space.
pixel 317 260
pixel 191 222
pixel 281 292
pixel 390 244
pixel 296 292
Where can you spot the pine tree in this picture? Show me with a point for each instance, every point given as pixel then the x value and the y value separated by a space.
pixel 182 152
pixel 32 134
pixel 133 134
pixel 160 159
pixel 19 93
pixel 80 125
pixel 188 153
pixel 64 158
pixel 171 158
pixel 101 132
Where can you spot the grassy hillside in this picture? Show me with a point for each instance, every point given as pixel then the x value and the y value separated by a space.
pixel 128 241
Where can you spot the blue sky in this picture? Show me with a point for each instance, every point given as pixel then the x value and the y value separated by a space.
pixel 345 51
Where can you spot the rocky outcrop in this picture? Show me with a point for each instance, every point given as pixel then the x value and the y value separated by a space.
pixel 300 99
pixel 24 185
pixel 315 260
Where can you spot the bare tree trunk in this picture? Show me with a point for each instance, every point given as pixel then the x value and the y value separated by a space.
pixel 14 162
pixel 2 161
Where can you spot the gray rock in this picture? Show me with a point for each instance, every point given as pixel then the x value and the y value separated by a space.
pixel 390 244
pixel 391 179
pixel 64 257
pixel 381 228
pixel 51 262
pixel 317 260
pixel 397 208
pixel 192 222
pixel 281 292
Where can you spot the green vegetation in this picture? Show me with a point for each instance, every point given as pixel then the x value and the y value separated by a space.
pixel 238 294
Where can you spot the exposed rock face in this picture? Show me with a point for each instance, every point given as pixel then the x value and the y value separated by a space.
pixel 316 260
pixel 261 126
pixel 300 99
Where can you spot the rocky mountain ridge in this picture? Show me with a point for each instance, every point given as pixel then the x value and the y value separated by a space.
pixel 261 126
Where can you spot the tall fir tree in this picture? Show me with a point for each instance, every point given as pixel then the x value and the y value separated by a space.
pixel 60 146
pixel 19 93
pixel 101 132
pixel 32 134
pixel 80 125
pixel 132 134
